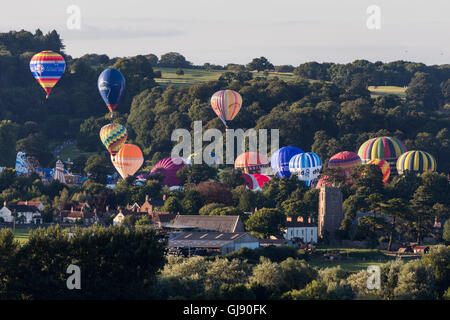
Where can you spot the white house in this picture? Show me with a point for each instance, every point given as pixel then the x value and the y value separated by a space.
pixel 36 204
pixel 306 231
pixel 24 214
pixel 118 219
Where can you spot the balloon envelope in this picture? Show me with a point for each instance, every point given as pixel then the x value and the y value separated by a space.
pixel 111 85
pixel 169 167
pixel 416 161
pixel 250 181
pixel 47 68
pixel 113 136
pixel 128 160
pixel 385 148
pixel 280 160
pixel 384 167
pixel 226 104
pixel 261 179
pixel 251 162
pixel 306 166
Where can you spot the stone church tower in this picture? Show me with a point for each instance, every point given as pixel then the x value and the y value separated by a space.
pixel 330 211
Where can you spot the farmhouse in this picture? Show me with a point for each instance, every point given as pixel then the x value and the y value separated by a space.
pixel 214 242
pixel 20 214
pixel 209 223
pixel 306 231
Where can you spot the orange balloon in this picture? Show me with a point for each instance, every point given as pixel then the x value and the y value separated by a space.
pixel 128 160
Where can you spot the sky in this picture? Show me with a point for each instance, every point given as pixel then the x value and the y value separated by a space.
pixel 236 31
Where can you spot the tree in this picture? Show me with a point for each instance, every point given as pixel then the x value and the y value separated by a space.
pixel 208 208
pixel 226 211
pixel 315 290
pixel 260 64
pixel 192 202
pixel 266 222
pixel 96 166
pixel 196 173
pixel 425 90
pixel 394 208
pixel 172 205
pixel 415 282
pixel 438 259
pixel 173 60
pixel 267 275
pixel 446 234
pixel 296 274
pixel 8 138
pixel 179 72
pixel 214 192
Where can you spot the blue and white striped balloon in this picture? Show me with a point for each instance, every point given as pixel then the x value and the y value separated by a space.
pixel 306 166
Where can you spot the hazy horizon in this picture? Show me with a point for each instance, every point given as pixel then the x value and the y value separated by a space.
pixel 221 32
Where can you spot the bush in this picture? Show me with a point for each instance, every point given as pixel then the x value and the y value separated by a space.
pixel 179 72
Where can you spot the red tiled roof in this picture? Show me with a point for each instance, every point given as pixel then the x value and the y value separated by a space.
pixel 298 224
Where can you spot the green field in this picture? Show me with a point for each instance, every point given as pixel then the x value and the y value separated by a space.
pixel 73 152
pixel 21 235
pixel 377 91
pixel 194 76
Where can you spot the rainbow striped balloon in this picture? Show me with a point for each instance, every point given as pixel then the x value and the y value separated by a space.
pixel 385 148
pixel 226 104
pixel 384 167
pixel 416 161
pixel 306 166
pixel 47 68
pixel 113 136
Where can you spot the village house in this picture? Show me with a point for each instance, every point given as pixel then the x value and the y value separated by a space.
pixel 25 214
pixel 300 229
pixel 36 204
pixel 72 213
pixel 121 214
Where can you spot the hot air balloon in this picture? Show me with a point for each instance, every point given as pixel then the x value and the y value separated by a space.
pixel 169 167
pixel 47 68
pixel 250 181
pixel 261 179
pixel 384 167
pixel 384 148
pixel 306 166
pixel 226 104
pixel 416 161
pixel 111 85
pixel 113 136
pixel 345 160
pixel 280 160
pixel 255 181
pixel 251 162
pixel 128 160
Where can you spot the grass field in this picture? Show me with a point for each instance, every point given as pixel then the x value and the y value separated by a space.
pixel 21 235
pixel 72 152
pixel 385 90
pixel 194 76
pixel 347 265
